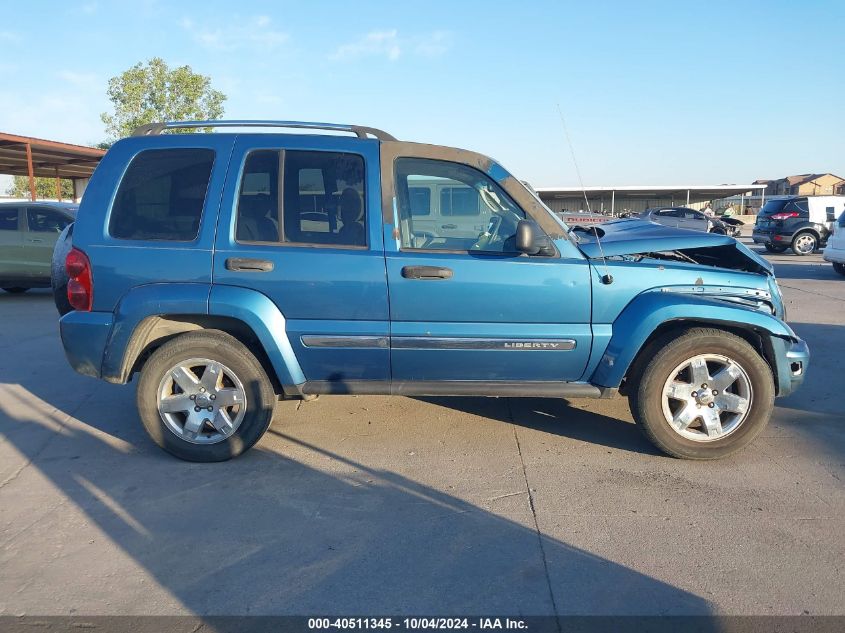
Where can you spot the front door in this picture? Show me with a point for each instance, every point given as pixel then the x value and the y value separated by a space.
pixel 464 305
pixel 296 225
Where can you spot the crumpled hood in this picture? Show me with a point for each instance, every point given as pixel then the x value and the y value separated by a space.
pixel 633 236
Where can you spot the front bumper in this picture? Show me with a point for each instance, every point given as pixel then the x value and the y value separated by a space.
pixel 792 357
pixel 84 337
pixel 835 255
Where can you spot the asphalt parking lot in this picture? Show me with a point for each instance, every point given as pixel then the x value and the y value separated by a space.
pixel 363 505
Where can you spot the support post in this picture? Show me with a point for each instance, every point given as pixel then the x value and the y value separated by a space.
pixel 613 202
pixel 687 197
pixel 30 171
pixel 58 186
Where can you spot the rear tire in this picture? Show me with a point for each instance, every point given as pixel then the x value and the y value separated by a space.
pixel 204 397
pixel 741 407
pixel 775 249
pixel 805 243
pixel 16 290
pixel 840 268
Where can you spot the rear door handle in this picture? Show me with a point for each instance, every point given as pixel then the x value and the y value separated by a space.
pixel 35 240
pixel 426 272
pixel 448 226
pixel 249 265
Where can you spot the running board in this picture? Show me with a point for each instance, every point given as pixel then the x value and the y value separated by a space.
pixel 488 388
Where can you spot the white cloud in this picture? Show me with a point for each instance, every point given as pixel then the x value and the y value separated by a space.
pixel 391 45
pixel 255 32
pixel 374 43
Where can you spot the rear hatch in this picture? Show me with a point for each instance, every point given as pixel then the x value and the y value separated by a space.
pixel 775 212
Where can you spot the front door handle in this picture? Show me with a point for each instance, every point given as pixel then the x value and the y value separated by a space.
pixel 426 272
pixel 448 226
pixel 35 240
pixel 249 265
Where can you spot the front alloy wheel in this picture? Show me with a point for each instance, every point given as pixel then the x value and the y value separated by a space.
pixel 706 397
pixel 702 393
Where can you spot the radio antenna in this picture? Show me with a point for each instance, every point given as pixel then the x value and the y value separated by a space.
pixel 574 161
pixel 607 278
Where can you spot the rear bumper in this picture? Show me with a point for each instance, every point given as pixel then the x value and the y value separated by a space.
pixel 84 337
pixel 771 237
pixel 792 359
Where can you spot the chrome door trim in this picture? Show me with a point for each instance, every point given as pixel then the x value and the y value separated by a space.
pixel 497 344
pixel 348 341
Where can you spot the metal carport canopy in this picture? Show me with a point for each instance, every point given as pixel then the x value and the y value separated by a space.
pixel 36 157
pixel 696 193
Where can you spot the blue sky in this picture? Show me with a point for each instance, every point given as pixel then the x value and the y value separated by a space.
pixel 653 92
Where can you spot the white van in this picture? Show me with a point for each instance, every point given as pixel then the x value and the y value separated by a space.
pixel 835 251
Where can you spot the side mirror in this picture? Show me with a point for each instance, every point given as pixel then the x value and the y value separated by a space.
pixel 531 240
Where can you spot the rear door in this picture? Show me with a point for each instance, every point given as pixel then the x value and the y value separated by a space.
pixel 303 208
pixel 11 242
pixel 42 226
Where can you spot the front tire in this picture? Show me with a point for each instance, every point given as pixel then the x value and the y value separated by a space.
pixel 840 268
pixel 805 243
pixel 705 394
pixel 204 397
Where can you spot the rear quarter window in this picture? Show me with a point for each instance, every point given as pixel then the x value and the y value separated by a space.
pixel 162 195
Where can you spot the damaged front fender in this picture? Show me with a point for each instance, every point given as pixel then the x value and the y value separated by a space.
pixel 653 309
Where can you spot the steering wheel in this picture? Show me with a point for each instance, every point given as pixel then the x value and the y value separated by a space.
pixel 490 236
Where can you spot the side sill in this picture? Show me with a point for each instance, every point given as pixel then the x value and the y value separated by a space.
pixel 452 388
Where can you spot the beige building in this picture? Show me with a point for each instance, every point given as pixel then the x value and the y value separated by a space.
pixel 804 185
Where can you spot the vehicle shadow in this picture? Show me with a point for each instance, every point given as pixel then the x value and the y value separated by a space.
pixel 270 534
pixel 554 416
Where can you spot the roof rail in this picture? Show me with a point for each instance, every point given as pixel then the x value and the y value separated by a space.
pixel 154 129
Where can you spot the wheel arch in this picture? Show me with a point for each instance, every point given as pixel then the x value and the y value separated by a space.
pixel 760 341
pixel 149 316
pixel 654 316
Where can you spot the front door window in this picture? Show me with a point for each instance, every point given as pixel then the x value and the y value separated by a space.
pixel 452 207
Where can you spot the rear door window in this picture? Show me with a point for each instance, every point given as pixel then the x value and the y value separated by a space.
pixel 162 195
pixel 322 200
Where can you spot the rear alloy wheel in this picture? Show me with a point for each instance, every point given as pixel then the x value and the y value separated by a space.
pixel 204 397
pixel 706 394
pixel 805 243
pixel 16 290
pixel 840 268
pixel 773 248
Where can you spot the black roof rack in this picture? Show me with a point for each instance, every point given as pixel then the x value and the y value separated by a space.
pixel 153 129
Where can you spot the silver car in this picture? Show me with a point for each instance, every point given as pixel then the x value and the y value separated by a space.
pixel 683 218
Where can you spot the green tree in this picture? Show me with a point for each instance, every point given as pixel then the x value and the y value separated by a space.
pixel 44 188
pixel 152 92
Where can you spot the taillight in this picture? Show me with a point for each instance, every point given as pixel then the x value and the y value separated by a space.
pixel 80 287
pixel 785 215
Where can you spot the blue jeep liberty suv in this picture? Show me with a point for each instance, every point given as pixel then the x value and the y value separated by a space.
pixel 231 269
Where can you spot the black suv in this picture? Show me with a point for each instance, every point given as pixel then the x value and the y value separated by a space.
pixel 787 223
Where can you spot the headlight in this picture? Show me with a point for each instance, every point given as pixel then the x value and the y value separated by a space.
pixel 777 298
